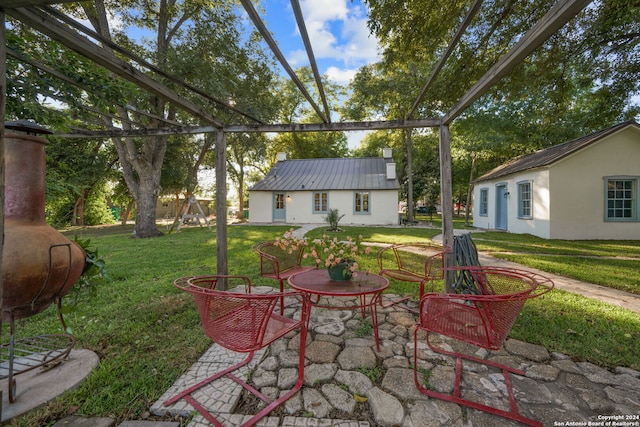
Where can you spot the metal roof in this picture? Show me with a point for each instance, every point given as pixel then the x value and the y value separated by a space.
pixel 551 155
pixel 368 173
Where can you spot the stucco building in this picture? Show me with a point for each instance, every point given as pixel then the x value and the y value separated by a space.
pixel 583 189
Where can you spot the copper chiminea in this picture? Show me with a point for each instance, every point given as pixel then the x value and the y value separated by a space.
pixel 39 264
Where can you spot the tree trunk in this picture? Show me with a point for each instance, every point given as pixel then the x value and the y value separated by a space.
pixel 141 163
pixel 146 200
pixel 241 192
pixel 409 175
pixel 78 211
pixel 470 189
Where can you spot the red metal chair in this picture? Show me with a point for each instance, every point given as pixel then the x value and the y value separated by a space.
pixel 244 323
pixel 483 320
pixel 412 262
pixel 279 264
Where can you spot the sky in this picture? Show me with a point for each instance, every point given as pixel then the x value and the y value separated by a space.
pixel 338 33
pixel 337 29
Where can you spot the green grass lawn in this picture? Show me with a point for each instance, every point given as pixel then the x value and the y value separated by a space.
pixel 611 263
pixel 147 332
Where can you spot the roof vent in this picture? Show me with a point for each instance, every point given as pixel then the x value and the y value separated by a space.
pixel 282 156
pixel 386 153
pixel 391 171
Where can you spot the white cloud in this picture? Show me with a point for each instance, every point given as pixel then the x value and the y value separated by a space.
pixel 324 10
pixel 297 58
pixel 341 76
pixel 338 31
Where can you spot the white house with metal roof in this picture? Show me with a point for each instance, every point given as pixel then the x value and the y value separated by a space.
pixel 365 190
pixel 588 188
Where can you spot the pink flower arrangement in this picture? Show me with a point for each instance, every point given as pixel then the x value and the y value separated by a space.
pixel 327 250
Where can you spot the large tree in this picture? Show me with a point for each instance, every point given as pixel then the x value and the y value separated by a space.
pixel 174 25
pixel 583 78
pixel 380 91
pixel 200 41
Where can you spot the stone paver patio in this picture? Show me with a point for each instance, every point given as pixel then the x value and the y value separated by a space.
pixel 342 360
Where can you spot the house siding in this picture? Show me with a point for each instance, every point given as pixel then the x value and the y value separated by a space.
pixel 578 194
pixel 340 178
pixel 262 201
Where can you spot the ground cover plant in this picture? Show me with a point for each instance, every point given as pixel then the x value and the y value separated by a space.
pixel 147 333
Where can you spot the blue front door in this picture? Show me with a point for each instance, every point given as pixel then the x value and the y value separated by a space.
pixel 279 208
pixel 501 207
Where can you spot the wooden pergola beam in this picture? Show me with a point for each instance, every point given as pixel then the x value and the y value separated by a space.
pixel 103 57
pixel 11 4
pixel 561 13
pixel 55 73
pixel 297 11
pixel 144 63
pixel 275 128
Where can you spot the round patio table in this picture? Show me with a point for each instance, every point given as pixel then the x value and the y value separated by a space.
pixel 366 287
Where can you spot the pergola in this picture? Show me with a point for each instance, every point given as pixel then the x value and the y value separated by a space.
pixel 38 15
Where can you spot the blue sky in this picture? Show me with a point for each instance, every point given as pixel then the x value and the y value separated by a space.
pixel 337 30
pixel 339 37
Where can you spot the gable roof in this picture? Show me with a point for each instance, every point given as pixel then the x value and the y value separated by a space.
pixel 368 173
pixel 553 154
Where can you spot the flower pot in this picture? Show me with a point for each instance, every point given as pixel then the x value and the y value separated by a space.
pixel 340 272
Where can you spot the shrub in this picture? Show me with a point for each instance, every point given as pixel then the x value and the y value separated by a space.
pixel 332 218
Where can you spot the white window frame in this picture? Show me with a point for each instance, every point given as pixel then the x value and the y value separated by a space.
pixel 525 199
pixel 362 203
pixel 621 200
pixel 326 202
pixel 484 202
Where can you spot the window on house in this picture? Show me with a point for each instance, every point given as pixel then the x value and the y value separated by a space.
pixel 279 201
pixel 361 203
pixel 622 199
pixel 524 199
pixel 320 202
pixel 484 202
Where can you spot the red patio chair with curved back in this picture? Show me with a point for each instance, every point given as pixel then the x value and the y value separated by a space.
pixel 482 319
pixel 279 264
pixel 244 323
pixel 414 263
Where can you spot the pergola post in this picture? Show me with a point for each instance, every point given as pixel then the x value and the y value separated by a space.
pixel 446 201
pixel 3 109
pixel 221 205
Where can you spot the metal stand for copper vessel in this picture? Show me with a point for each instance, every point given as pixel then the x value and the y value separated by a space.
pixel 42 351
